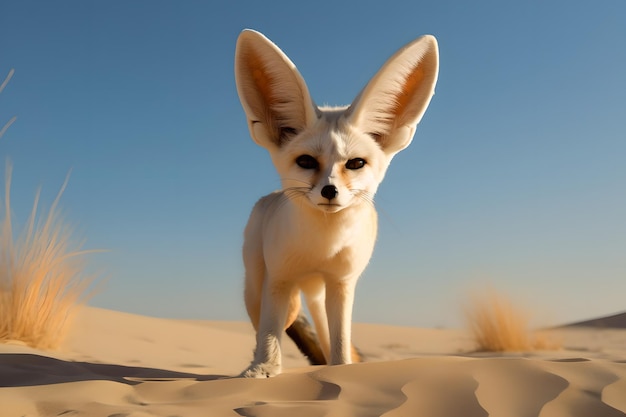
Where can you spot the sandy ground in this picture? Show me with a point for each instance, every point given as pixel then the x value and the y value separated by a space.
pixel 115 364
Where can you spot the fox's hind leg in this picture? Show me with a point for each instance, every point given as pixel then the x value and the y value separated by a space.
pixel 315 299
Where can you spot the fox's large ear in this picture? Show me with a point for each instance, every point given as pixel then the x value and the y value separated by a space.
pixel 393 102
pixel 272 91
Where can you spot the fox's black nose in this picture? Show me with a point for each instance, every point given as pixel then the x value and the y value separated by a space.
pixel 329 192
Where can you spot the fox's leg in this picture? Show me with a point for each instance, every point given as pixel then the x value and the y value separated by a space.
pixel 317 308
pixel 275 300
pixel 252 295
pixel 339 300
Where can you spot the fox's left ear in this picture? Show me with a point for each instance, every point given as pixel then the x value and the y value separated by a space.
pixel 393 102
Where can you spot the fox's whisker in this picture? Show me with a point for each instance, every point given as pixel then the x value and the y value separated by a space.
pixel 363 195
pixel 283 179
pixel 293 194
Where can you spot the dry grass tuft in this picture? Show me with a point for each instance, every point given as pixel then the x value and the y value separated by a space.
pixel 41 276
pixel 2 86
pixel 499 326
pixel 40 273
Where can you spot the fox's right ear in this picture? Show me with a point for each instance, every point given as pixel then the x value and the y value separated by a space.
pixel 272 91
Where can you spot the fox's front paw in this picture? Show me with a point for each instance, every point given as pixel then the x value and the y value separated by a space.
pixel 261 370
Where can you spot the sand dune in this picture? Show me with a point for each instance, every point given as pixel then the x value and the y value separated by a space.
pixel 616 321
pixel 116 364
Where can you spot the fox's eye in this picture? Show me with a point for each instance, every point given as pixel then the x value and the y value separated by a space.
pixel 307 162
pixel 356 163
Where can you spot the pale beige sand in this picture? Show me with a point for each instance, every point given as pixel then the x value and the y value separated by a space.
pixel 115 364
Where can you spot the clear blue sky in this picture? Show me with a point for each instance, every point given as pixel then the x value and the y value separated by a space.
pixel 516 176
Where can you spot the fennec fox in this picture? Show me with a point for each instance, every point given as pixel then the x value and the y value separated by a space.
pixel 316 234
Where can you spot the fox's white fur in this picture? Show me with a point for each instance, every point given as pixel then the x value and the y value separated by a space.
pixel 316 234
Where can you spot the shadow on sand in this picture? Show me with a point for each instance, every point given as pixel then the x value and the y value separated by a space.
pixel 21 370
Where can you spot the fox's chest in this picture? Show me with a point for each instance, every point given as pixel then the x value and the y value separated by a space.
pixel 336 245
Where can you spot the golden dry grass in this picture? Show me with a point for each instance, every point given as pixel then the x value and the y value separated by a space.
pixel 497 325
pixel 2 86
pixel 41 276
pixel 41 273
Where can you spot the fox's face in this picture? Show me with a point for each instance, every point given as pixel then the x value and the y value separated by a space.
pixel 332 158
pixel 332 165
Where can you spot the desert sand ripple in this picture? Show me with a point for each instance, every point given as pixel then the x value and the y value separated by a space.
pixel 136 368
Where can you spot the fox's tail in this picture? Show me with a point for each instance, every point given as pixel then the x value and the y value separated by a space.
pixel 303 335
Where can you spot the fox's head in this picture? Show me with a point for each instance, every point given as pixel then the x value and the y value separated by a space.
pixel 333 157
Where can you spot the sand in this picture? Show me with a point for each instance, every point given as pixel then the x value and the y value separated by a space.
pixel 116 364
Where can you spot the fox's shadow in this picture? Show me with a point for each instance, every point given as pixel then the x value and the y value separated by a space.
pixel 24 369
